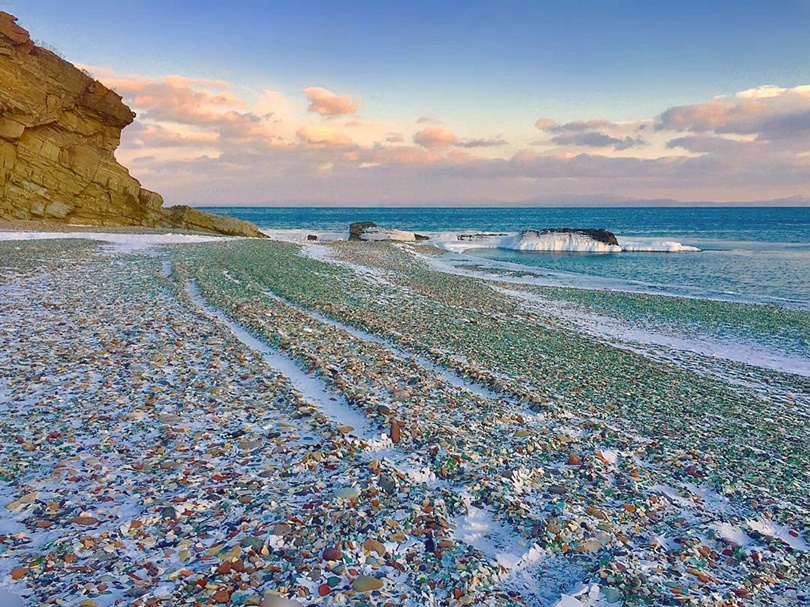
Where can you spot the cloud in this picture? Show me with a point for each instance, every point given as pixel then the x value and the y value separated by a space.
pixel 322 135
pixel 427 120
pixel 576 126
pixel 192 101
pixel 482 143
pixel 598 140
pixel 200 140
pixel 326 103
pixel 545 123
pixel 403 155
pixel 770 112
pixel 435 137
pixel 157 136
pixel 706 144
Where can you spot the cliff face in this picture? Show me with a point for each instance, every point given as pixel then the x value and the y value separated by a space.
pixel 59 129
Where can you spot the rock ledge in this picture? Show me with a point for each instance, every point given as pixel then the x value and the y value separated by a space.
pixel 59 129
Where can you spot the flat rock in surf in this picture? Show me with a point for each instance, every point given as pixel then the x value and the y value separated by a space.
pixel 370 231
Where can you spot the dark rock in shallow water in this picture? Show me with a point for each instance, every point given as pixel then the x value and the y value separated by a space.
pixel 368 230
pixel 609 238
pixel 358 228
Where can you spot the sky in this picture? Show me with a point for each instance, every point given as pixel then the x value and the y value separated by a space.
pixel 449 103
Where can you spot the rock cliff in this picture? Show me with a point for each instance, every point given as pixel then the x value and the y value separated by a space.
pixel 59 129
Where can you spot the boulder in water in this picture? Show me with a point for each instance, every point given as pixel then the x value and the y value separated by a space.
pixel 370 231
pixel 597 234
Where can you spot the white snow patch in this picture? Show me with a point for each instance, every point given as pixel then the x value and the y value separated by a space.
pixel 731 533
pixel 310 387
pixel 122 242
pixel 480 529
pixel 8 599
pixel 771 529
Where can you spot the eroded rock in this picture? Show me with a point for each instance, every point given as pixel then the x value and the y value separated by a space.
pixel 59 129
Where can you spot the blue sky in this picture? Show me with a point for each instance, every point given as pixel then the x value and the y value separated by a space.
pixel 481 70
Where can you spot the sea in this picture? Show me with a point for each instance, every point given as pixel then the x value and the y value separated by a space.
pixel 750 254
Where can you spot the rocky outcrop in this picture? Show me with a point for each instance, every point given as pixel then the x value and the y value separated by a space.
pixel 598 235
pixel 368 230
pixel 59 129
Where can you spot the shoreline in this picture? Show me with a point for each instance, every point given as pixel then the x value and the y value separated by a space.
pixel 471 428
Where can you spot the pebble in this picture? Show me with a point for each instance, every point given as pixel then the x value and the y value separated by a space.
pixel 589 476
pixel 366 583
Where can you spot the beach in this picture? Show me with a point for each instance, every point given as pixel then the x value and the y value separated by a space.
pixel 237 421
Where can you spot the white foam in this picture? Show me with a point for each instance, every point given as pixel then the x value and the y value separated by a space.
pixel 662 246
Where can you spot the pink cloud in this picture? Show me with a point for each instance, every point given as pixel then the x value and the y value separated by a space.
pixel 178 99
pixel 326 103
pixel 197 140
pixel 545 123
pixel 157 136
pixel 492 142
pixel 410 155
pixel 322 135
pixel 770 112
pixel 434 137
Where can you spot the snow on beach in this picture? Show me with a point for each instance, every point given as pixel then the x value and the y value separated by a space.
pixel 350 426
pixel 121 240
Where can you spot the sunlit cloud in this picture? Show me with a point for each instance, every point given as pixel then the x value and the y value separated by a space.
pixel 326 103
pixel 204 141
pixel 494 142
pixel 319 134
pixel 769 112
pixel 435 137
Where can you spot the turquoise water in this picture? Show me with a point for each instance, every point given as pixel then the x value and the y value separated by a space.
pixel 759 254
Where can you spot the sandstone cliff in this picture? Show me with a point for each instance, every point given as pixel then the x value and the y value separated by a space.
pixel 59 129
